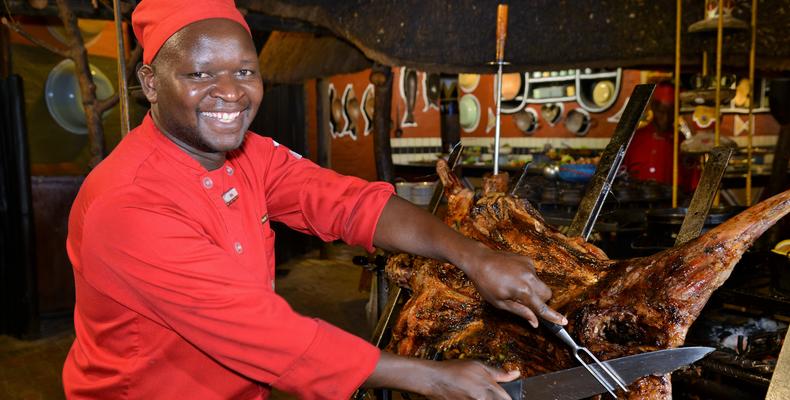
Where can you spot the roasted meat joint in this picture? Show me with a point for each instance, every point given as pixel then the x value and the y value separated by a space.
pixel 614 307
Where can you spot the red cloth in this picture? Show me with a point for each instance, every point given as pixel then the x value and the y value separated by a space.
pixel 154 21
pixel 649 155
pixel 174 288
pixel 664 93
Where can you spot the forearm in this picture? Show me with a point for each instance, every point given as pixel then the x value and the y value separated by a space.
pixel 400 373
pixel 506 280
pixel 456 380
pixel 408 228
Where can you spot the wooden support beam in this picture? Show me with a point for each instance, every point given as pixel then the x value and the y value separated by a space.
pixel 80 8
pixel 381 77
pixel 5 51
pixel 323 152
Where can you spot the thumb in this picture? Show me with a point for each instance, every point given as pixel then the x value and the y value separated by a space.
pixel 506 376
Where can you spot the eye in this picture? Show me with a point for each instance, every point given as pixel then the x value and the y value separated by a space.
pixel 198 75
pixel 246 72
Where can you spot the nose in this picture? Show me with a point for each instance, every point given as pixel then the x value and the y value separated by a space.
pixel 227 89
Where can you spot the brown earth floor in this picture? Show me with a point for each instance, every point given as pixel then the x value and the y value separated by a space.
pixel 327 289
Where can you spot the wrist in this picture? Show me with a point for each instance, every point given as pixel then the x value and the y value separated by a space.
pixel 471 256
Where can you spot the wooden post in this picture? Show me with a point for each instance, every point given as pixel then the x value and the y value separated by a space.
pixel 381 77
pixel 324 144
pixel 449 120
pixel 87 88
pixel 5 51
pixel 123 91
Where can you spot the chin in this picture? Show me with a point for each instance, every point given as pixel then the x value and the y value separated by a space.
pixel 225 146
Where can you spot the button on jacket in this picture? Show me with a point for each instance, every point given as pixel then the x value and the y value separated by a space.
pixel 174 274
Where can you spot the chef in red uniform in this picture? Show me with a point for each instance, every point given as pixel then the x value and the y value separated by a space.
pixel 649 155
pixel 172 249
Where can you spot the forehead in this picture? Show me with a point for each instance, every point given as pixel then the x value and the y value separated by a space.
pixel 206 41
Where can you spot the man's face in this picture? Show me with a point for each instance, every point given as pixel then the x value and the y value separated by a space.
pixel 204 86
pixel 663 114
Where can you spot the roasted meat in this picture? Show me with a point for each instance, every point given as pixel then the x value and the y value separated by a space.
pixel 615 308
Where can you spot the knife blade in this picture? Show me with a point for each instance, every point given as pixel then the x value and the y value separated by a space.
pixel 577 383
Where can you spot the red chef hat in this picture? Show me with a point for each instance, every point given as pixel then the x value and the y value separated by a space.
pixel 154 21
pixel 664 93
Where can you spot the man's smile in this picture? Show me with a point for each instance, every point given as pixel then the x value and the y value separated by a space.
pixel 226 117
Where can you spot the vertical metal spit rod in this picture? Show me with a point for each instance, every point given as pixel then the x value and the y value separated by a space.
pixel 611 159
pixel 501 35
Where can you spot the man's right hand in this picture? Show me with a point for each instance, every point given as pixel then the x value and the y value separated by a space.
pixel 441 380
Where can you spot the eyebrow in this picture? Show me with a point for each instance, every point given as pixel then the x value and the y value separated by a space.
pixel 242 61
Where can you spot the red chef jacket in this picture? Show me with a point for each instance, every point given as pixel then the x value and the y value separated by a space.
pixel 175 277
pixel 649 156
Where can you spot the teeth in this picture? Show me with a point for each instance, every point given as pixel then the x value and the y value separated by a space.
pixel 222 116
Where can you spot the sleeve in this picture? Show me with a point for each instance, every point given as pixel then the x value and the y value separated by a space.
pixel 322 202
pixel 160 264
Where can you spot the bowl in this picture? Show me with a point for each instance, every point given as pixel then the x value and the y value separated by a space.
pixel 64 99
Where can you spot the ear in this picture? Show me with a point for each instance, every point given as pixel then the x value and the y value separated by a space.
pixel 147 81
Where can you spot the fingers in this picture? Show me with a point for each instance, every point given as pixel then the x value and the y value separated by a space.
pixel 543 291
pixel 548 314
pixel 506 376
pixel 500 375
pixel 522 311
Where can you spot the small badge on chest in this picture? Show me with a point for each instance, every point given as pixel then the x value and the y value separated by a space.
pixel 230 196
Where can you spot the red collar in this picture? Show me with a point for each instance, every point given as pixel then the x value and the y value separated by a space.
pixel 169 148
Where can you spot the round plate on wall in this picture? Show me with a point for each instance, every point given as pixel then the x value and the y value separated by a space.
pixel 468 82
pixel 469 112
pixel 64 100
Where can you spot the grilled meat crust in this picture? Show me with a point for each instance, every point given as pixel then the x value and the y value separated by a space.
pixel 615 308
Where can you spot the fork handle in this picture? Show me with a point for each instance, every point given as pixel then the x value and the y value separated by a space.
pixel 560 332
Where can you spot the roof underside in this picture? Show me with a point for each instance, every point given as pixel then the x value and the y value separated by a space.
pixel 458 36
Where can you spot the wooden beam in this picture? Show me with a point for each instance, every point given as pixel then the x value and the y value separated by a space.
pixel 5 52
pixel 381 77
pixel 80 8
pixel 323 152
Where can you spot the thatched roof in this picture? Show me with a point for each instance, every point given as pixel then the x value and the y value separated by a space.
pixel 458 36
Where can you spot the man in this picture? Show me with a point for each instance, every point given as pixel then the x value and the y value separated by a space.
pixel 172 251
pixel 649 155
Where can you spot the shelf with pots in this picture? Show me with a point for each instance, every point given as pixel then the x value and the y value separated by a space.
pixel 594 91
pixel 734 97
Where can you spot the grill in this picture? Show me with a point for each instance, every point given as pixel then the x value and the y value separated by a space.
pixel 747 321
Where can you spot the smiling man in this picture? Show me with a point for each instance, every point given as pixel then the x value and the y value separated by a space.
pixel 172 249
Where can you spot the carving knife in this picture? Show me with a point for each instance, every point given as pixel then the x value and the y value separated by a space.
pixel 577 383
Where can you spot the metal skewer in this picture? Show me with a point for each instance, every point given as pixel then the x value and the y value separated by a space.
pixel 501 35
